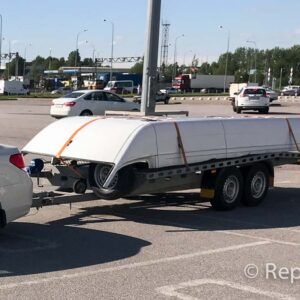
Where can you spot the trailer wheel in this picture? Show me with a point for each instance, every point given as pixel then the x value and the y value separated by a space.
pixel 228 189
pixel 120 185
pixel 256 185
pixel 166 101
pixel 2 218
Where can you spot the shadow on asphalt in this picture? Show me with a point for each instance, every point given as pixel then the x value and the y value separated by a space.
pixel 65 243
pixel 33 249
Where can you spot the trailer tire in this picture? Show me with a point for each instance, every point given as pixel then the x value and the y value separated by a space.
pixel 228 189
pixel 120 186
pixel 256 185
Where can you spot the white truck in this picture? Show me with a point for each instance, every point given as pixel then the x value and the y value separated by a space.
pixel 230 159
pixel 13 87
pixel 207 83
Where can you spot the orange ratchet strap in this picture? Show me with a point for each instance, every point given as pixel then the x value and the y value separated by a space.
pixel 292 134
pixel 180 144
pixel 70 139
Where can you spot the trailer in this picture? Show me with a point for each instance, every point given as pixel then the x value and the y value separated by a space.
pixel 229 159
pixel 197 82
pixel 13 87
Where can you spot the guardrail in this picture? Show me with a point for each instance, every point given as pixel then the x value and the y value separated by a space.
pixel 227 98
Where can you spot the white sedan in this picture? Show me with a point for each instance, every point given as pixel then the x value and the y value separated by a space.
pixel 15 185
pixel 88 103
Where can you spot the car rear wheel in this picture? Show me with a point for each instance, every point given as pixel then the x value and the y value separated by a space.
pixel 238 110
pixel 2 218
pixel 120 185
pixel 264 110
pixel 86 113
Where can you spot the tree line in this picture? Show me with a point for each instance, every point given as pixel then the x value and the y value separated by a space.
pixel 246 64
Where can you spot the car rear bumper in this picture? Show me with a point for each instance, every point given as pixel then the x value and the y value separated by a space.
pixel 59 111
pixel 245 107
pixel 17 199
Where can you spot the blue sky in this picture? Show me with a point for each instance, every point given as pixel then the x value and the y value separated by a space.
pixel 54 24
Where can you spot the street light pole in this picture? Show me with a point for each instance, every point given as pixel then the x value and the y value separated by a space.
pixel 0 39
pixel 112 47
pixel 175 54
pixel 280 78
pixel 255 50
pixel 25 60
pixel 150 59
pixel 226 63
pixel 50 58
pixel 76 54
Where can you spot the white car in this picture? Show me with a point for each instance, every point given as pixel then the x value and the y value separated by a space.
pixel 15 185
pixel 88 103
pixel 271 94
pixel 251 98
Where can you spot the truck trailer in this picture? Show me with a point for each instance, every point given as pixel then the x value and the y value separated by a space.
pixel 196 83
pixel 229 159
pixel 13 87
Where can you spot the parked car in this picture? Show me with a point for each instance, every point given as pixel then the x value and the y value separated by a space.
pixel 15 185
pixel 160 97
pixel 251 98
pixel 88 103
pixel 62 90
pixel 169 90
pixel 271 94
pixel 291 90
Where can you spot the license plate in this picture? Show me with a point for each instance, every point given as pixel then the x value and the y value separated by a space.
pixel 59 105
pixel 254 98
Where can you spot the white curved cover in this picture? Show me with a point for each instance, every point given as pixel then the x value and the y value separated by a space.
pixel 121 141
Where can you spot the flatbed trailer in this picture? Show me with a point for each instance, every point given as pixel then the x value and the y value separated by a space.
pixel 229 159
pixel 223 182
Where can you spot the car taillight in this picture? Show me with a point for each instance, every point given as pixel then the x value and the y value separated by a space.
pixel 17 160
pixel 242 95
pixel 71 103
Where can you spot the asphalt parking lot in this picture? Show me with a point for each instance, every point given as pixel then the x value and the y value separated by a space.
pixel 172 246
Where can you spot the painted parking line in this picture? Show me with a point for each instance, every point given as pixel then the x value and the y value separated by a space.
pixel 172 290
pixel 136 265
pixel 228 232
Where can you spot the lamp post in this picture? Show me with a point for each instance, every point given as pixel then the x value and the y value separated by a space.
pixel 24 67
pixel 0 39
pixel 50 58
pixel 227 52
pixel 76 54
pixel 254 43
pixel 175 54
pixel 112 47
pixel 280 79
pixel 185 53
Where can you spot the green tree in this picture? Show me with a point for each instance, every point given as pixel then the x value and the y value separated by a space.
pixel 72 58
pixel 137 68
pixel 88 62
pixel 11 67
pixel 37 69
